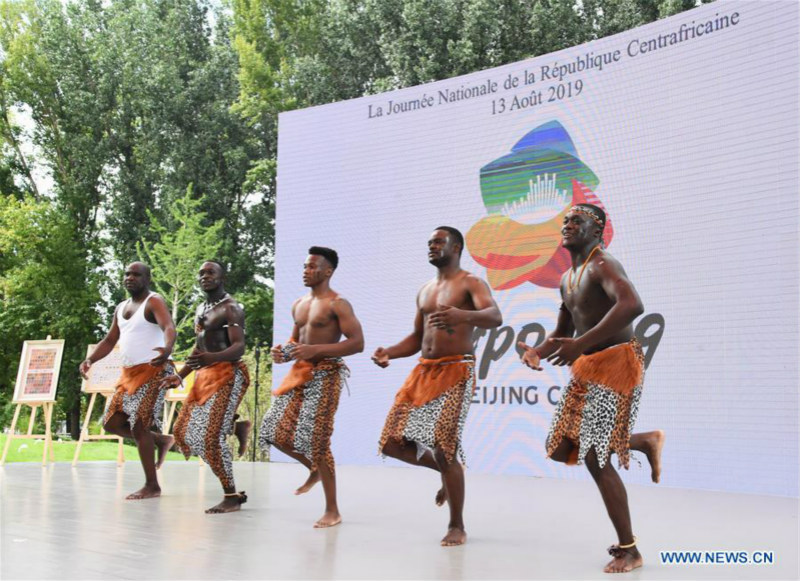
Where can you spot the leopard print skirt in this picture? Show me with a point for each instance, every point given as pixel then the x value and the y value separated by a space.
pixel 438 423
pixel 144 404
pixel 202 430
pixel 301 420
pixel 598 407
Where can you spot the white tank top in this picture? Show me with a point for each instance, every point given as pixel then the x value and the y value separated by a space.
pixel 138 336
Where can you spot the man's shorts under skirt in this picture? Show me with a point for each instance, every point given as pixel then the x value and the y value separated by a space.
pixel 138 395
pixel 207 416
pixel 303 410
pixel 431 407
pixel 599 405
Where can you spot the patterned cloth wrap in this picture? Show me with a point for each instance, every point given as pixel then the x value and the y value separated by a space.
pixel 432 405
pixel 599 405
pixel 303 409
pixel 207 416
pixel 138 394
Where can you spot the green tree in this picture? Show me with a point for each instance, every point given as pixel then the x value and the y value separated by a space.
pixel 42 292
pixel 176 256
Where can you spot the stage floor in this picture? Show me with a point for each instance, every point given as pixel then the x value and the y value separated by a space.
pixel 61 522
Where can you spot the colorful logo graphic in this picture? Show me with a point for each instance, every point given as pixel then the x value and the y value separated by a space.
pixel 527 194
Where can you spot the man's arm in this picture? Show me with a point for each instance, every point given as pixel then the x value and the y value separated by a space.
pixel 350 327
pixel 486 314
pixel 405 348
pixel 103 348
pixel 277 350
pixel 160 311
pixel 565 327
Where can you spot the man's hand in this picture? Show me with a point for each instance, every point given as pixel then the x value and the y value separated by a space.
pixel 163 357
pixel 381 357
pixel 446 317
pixel 170 381
pixel 569 351
pixel 530 357
pixel 83 368
pixel 304 351
pixel 200 359
pixel 277 354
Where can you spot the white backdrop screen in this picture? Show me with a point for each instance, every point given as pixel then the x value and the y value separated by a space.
pixel 684 130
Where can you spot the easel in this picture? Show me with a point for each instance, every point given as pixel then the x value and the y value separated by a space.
pixel 47 436
pixel 87 437
pixel 37 379
pixel 103 377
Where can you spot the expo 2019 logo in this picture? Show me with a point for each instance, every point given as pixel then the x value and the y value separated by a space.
pixel 527 193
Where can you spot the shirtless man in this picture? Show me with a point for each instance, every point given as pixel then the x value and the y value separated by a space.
pixel 425 423
pixel 594 335
pixel 221 380
pixel 146 334
pixel 300 421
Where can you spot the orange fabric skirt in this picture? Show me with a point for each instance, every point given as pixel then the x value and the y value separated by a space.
pixel 136 376
pixel 300 374
pixel 432 377
pixel 599 405
pixel 209 380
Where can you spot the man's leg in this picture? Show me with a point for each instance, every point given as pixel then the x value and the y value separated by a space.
pixel 453 484
pixel 117 424
pixel 650 444
pixel 331 516
pixel 407 452
pixel 616 500
pixel 220 460
pixel 313 476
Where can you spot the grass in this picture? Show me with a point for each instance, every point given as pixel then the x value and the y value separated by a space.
pixel 31 451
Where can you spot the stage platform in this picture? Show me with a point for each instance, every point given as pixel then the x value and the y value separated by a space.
pixel 61 522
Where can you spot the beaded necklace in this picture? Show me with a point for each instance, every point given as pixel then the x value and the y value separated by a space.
pixel 570 286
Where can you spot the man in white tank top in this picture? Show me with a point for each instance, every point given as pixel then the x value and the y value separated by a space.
pixel 146 334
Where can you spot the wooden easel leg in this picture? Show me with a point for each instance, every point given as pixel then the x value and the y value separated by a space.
pixel 84 430
pixel 47 439
pixel 168 425
pixel 10 434
pixel 34 409
pixel 120 445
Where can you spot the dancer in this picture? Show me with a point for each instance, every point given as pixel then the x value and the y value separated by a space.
pixel 598 407
pixel 142 325
pixel 424 425
pixel 300 421
pixel 209 412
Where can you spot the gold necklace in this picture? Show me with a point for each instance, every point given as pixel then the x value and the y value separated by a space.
pixel 570 286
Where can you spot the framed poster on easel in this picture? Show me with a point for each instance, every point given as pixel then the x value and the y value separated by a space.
pixel 37 381
pixel 103 378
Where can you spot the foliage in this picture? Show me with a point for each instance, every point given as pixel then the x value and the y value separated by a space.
pixel 41 290
pixel 175 258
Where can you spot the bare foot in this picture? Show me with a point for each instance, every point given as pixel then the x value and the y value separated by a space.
pixel 624 561
pixel 454 537
pixel 441 496
pixel 145 491
pixel 329 519
pixel 164 444
pixel 313 478
pixel 228 504
pixel 654 443
pixel 242 431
